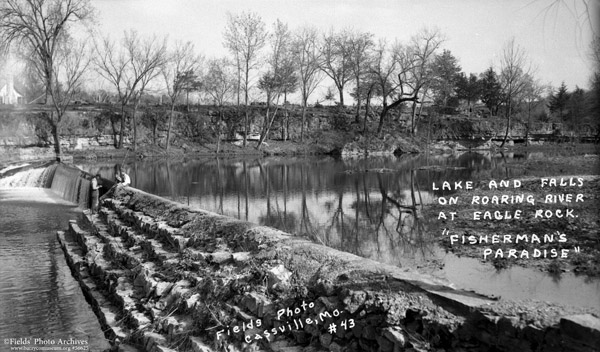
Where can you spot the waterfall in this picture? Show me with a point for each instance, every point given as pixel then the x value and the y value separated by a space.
pixel 69 182
pixel 29 177
pixel 72 184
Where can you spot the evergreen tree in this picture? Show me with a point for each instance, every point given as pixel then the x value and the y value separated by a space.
pixel 575 107
pixel 468 89
pixel 491 91
pixel 446 72
pixel 558 101
pixel 593 97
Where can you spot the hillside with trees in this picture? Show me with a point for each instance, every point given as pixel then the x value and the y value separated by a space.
pixel 161 92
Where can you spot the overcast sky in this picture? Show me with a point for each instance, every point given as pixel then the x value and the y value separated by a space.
pixel 552 32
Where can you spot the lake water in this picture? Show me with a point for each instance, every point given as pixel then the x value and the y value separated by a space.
pixel 369 207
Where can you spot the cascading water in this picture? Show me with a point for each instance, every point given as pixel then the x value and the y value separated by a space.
pixel 85 185
pixel 40 177
pixel 72 184
pixel 68 182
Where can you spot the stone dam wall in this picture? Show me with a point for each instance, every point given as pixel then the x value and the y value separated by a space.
pixel 165 277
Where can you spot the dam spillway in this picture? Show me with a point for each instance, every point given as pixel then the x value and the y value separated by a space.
pixel 165 277
pixel 68 182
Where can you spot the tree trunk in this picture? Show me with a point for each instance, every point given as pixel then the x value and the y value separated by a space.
pixel 134 121
pixel 187 100
pixel 219 128
pixel 382 117
pixel 468 107
pixel 285 116
pixel 509 110
pixel 303 120
pixel 264 128
pixel 56 137
pixel 114 133
pixel 287 127
pixel 387 108
pixel 367 107
pixel 413 117
pixel 245 124
pixel 48 73
pixel 239 80
pixel 122 132
pixel 246 118
pixel 357 117
pixel 263 135
pixel 341 90
pixel 428 132
pixel 528 124
pixel 154 130
pixel 48 98
pixel 170 126
pixel 282 126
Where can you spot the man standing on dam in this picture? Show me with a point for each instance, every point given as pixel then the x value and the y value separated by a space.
pixel 95 193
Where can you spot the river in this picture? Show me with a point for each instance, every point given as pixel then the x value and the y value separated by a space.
pixel 370 207
pixel 39 298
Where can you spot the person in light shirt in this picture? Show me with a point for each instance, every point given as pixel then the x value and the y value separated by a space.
pixel 95 193
pixel 123 179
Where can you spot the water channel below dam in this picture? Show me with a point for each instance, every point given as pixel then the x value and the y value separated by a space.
pixel 39 298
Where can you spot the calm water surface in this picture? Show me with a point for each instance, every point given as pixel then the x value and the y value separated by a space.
pixel 38 296
pixel 369 207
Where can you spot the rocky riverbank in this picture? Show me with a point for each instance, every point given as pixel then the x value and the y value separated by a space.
pixel 328 130
pixel 165 277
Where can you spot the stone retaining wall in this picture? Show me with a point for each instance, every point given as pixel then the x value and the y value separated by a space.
pixel 164 277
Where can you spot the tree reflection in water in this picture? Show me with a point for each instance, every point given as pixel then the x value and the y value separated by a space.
pixel 370 207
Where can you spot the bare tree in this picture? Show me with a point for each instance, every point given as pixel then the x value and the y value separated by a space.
pixel 39 28
pixel 129 69
pixel 405 73
pixel 112 64
pixel 280 75
pixel 177 69
pixel 147 56
pixel 219 83
pixel 245 36
pixel 384 67
pixel 419 75
pixel 532 95
pixel 360 46
pixel 514 70
pixel 369 87
pixel 335 59
pixel 307 56
pixel 70 62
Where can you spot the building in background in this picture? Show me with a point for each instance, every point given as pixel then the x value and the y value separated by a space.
pixel 8 93
pixel 9 69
